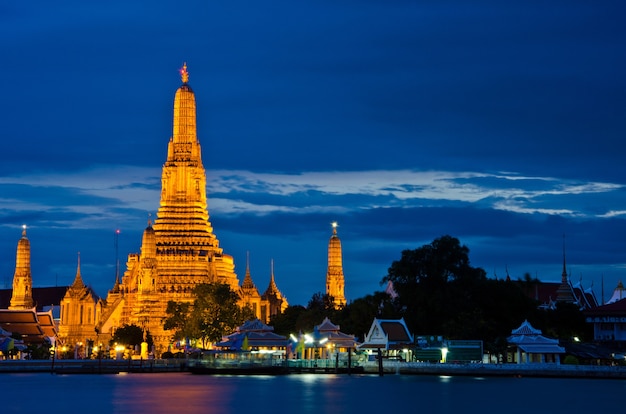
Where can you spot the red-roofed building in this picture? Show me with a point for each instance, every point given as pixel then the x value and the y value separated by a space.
pixel 390 336
pixel 609 322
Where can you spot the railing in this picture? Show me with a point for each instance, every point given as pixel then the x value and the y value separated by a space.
pixel 528 369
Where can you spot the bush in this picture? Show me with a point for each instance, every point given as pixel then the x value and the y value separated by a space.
pixel 570 360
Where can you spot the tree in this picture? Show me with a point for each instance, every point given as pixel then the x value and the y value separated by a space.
pixel 434 283
pixel 214 312
pixel 130 335
pixel 441 293
pixel 179 314
pixel 285 323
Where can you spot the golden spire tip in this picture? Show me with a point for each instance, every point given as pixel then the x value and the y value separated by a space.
pixel 184 74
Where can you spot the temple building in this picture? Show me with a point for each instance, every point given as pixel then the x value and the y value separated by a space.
pixel 79 314
pixel 22 296
pixel 334 275
pixel 178 252
pixel 264 306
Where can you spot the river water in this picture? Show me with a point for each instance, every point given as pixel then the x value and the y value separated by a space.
pixel 305 393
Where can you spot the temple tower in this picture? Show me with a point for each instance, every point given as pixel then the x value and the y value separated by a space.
pixel 334 275
pixel 249 293
pixel 187 250
pixel 22 295
pixel 274 302
pixel 564 292
pixel 179 251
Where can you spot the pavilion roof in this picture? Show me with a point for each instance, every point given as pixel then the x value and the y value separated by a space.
pixel 254 325
pixel 26 323
pixel 255 340
pixel 530 340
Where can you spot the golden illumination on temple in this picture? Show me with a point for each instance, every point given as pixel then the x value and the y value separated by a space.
pixel 334 275
pixel 179 251
pixel 22 296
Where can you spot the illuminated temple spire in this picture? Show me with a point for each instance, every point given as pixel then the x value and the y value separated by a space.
pixel 248 284
pixel 182 227
pixel 278 303
pixel 22 296
pixel 334 275
pixel 78 279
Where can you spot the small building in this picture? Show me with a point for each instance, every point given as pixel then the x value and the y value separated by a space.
pixel 389 336
pixel 528 345
pixel 254 335
pixel 609 323
pixel 325 342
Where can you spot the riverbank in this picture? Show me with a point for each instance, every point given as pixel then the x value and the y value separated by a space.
pixel 502 370
pixel 108 366
pixel 93 366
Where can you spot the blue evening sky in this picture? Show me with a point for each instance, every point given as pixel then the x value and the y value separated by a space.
pixel 500 123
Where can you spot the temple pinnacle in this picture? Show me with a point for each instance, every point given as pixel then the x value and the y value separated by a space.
pixel 184 74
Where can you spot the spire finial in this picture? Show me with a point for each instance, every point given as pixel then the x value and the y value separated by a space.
pixel 334 224
pixel 23 230
pixel 184 74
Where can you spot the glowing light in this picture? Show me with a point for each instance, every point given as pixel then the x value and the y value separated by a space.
pixel 334 224
pixel 444 353
pixel 293 337
pixel 308 339
pixel 323 341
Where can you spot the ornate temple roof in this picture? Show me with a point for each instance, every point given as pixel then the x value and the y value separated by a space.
pixel 526 329
pixel 530 340
pixel 388 334
pixel 254 334
pixel 327 326
pixel 248 284
pixel 272 290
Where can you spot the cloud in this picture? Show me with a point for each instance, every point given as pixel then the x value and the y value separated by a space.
pixel 117 190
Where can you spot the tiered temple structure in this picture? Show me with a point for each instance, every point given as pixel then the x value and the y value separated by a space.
pixel 22 296
pixel 178 252
pixel 334 275
pixel 22 316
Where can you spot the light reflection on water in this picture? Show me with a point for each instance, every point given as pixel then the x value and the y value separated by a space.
pixel 306 393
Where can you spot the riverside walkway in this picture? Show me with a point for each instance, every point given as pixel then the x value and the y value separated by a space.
pixel 109 366
pixel 507 370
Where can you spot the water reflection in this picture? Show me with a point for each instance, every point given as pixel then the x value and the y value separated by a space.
pixel 307 393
